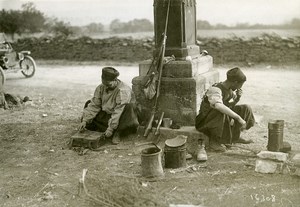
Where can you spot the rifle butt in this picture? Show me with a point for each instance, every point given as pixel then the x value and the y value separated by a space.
pixel 159 124
pixel 149 126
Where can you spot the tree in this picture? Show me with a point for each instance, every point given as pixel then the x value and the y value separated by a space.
pixel 27 20
pixel 202 24
pixel 94 28
pixel 136 25
pixel 10 22
pixel 139 25
pixel 242 26
pixel 116 26
pixel 221 26
pixel 295 23
pixel 53 25
pixel 33 20
pixel 62 28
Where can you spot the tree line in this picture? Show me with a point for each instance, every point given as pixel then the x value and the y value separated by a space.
pixel 293 24
pixel 30 20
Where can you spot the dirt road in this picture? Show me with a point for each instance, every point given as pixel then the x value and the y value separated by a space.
pixel 37 169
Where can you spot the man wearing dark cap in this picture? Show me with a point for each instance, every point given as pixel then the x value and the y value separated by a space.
pixel 112 109
pixel 219 117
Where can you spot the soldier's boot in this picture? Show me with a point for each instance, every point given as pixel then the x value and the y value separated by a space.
pixel 201 153
pixel 116 139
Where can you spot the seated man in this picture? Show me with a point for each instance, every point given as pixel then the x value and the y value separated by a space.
pixel 112 109
pixel 219 117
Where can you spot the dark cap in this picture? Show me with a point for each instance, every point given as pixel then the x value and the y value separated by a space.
pixel 236 74
pixel 109 73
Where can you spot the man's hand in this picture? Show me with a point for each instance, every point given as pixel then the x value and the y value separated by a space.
pixel 108 132
pixel 242 123
pixel 82 126
pixel 239 92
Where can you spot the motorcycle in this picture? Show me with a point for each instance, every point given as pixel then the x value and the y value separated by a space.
pixel 12 60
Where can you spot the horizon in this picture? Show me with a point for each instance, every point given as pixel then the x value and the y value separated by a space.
pixel 80 12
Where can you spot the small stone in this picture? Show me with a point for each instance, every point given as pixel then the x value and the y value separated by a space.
pixel 144 184
pixel 278 156
pixel 296 160
pixel 270 166
pixel 188 156
pixel 265 166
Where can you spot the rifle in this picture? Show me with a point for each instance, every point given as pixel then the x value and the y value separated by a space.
pixel 160 66
pixel 159 124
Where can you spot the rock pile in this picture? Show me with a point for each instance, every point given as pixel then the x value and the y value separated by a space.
pixel 263 49
pixel 266 48
pixel 277 162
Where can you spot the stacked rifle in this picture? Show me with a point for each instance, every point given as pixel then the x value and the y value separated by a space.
pixel 157 78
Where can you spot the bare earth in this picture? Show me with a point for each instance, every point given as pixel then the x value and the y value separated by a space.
pixel 37 168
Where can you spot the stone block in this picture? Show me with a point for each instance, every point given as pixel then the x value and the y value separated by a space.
pixel 181 68
pixel 276 156
pixel 296 160
pixel 179 98
pixel 269 166
pixel 182 87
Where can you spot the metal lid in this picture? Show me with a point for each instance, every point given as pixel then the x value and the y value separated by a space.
pixel 177 141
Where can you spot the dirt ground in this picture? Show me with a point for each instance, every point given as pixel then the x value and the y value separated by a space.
pixel 37 168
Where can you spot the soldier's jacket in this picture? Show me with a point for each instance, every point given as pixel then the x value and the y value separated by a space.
pixel 213 123
pixel 215 94
pixel 110 101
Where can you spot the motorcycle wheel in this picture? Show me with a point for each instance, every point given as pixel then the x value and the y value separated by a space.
pixel 2 77
pixel 28 66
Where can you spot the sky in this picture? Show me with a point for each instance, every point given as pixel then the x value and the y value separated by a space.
pixel 229 12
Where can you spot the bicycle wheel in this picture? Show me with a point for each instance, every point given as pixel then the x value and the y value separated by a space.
pixel 28 66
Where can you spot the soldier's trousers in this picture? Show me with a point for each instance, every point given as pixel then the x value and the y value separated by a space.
pixel 217 125
pixel 128 122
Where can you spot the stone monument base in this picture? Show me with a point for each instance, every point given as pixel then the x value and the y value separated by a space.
pixel 183 84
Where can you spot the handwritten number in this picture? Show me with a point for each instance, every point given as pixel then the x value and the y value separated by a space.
pixel 273 198
pixel 262 198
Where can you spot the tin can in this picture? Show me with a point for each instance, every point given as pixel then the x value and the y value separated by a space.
pixel 275 135
pixel 175 157
pixel 151 162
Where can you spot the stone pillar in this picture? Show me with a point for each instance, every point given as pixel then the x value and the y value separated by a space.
pixel 181 30
pixel 184 80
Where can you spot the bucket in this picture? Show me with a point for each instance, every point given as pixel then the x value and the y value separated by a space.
pixel 151 162
pixel 175 157
pixel 275 135
pixel 167 122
